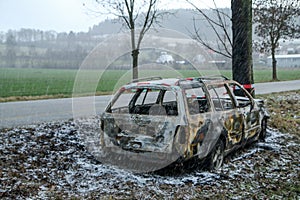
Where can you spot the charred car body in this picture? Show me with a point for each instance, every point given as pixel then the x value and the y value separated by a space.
pixel 162 121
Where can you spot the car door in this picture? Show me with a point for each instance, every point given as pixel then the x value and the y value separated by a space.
pixel 230 117
pixel 200 121
pixel 247 108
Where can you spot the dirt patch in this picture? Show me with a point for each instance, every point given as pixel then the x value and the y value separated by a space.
pixel 30 98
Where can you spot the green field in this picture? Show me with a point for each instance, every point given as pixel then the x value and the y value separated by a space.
pixel 60 83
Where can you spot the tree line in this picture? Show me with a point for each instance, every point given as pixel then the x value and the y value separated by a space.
pixel 30 48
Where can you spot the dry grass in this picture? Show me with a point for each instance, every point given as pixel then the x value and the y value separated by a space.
pixel 30 98
pixel 284 109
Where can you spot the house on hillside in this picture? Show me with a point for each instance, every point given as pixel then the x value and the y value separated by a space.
pixel 165 58
pixel 290 60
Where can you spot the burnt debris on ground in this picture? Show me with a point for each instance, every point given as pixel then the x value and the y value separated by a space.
pixel 50 161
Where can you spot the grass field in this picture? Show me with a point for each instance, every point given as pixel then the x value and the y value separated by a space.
pixel 60 83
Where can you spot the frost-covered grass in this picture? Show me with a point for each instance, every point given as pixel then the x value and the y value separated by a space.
pixel 50 161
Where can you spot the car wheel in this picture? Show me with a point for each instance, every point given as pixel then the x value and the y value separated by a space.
pixel 263 132
pixel 216 157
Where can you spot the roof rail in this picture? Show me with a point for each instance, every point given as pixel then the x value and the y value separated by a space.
pixel 151 78
pixel 211 77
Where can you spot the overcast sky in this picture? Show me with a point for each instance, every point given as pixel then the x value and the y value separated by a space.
pixel 63 15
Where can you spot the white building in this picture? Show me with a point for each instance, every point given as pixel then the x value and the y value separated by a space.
pixel 290 60
pixel 165 58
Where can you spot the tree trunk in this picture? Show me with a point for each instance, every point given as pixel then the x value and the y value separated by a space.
pixel 242 67
pixel 135 55
pixel 274 68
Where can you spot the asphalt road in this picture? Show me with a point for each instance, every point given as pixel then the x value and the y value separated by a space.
pixel 14 114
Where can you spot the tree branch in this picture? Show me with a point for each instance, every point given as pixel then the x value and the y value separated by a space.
pixel 221 23
pixel 208 46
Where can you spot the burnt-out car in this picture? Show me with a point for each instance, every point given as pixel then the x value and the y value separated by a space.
pixel 162 121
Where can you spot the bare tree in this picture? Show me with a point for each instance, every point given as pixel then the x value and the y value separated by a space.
pixel 220 26
pixel 136 15
pixel 242 65
pixel 237 45
pixel 275 19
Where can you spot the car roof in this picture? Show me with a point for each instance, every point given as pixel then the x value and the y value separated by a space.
pixel 156 81
pixel 171 82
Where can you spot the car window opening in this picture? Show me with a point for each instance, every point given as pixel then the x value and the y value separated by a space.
pixel 146 101
pixel 196 100
pixel 242 98
pixel 221 97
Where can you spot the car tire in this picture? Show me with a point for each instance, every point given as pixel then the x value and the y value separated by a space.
pixel 263 132
pixel 216 157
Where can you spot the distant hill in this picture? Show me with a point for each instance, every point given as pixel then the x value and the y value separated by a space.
pixel 181 20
